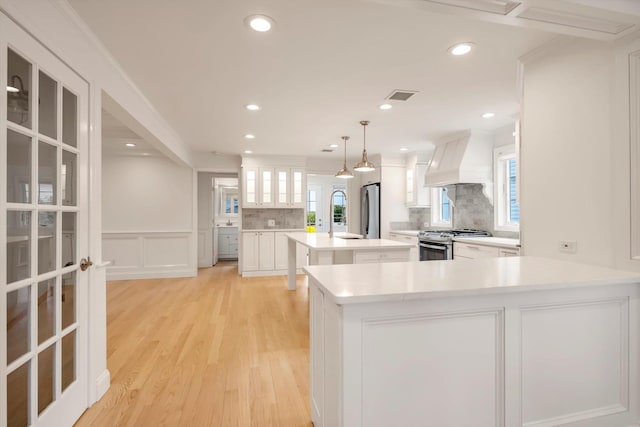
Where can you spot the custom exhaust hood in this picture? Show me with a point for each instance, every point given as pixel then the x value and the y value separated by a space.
pixel 463 158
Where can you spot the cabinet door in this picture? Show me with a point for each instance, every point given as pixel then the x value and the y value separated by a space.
pixel 223 245
pixel 422 193
pixel 410 183
pixel 266 245
pixel 283 190
pixel 267 186
pixel 509 252
pixel 298 188
pixel 250 187
pixel 282 251
pixel 250 252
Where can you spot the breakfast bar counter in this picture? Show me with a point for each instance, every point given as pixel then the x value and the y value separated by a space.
pixel 520 341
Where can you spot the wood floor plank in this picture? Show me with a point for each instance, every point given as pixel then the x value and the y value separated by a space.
pixel 213 350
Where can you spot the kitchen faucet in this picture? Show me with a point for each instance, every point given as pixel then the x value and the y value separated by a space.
pixel 331 210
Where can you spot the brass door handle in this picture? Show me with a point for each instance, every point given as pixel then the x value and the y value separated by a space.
pixel 85 263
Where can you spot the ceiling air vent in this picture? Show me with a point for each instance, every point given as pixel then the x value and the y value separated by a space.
pixel 327 150
pixel 500 7
pixel 401 95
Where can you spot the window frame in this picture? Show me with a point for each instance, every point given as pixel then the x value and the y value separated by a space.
pixel 436 209
pixel 501 157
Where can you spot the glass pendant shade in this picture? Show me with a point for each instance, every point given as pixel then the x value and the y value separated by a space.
pixel 344 173
pixel 364 165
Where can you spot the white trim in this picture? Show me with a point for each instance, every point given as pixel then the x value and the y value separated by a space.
pixel 265 273
pixel 102 384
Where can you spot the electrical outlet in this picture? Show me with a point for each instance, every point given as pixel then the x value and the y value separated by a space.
pixel 271 223
pixel 568 246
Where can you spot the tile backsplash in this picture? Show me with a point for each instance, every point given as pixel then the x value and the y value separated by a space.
pixel 256 219
pixel 473 210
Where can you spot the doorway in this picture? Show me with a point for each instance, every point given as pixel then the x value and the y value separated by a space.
pixel 320 192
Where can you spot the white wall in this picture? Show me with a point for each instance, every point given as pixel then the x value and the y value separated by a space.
pixel 145 194
pixel 566 176
pixel 147 218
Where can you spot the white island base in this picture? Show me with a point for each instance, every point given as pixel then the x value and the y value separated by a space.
pixel 493 342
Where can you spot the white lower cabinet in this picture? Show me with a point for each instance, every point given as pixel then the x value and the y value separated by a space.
pixel 374 257
pixel 471 251
pixel 228 242
pixel 267 252
pixel 414 253
pixel 258 250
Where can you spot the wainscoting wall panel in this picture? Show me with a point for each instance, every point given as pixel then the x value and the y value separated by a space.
pixel 148 254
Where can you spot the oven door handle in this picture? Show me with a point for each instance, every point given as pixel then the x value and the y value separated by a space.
pixel 439 248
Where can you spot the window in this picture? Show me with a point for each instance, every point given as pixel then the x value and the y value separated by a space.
pixel 311 208
pixel 441 208
pixel 507 210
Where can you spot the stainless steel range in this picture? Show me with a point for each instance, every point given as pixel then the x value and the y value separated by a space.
pixel 438 244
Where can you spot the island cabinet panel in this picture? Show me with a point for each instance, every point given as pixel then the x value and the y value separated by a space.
pixel 549 357
pixel 389 255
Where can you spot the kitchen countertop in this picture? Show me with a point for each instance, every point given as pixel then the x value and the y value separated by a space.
pixel 322 241
pixel 412 233
pixel 364 283
pixel 490 241
pixel 288 230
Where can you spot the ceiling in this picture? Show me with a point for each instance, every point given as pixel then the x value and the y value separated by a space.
pixel 115 136
pixel 325 66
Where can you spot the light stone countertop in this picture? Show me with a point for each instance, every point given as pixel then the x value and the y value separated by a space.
pixel 287 230
pixel 490 241
pixel 412 233
pixel 322 241
pixel 399 281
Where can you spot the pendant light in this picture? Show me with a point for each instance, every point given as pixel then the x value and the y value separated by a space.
pixel 364 165
pixel 344 173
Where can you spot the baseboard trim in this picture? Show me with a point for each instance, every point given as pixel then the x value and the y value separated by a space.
pixel 152 274
pixel 269 273
pixel 103 382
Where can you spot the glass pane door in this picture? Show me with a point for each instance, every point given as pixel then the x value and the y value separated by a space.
pixel 43 369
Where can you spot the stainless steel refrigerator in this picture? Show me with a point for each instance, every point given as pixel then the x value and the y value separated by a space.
pixel 370 211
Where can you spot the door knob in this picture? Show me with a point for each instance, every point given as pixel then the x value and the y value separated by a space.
pixel 85 263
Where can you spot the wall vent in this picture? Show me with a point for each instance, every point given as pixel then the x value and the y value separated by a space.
pixel 401 95
pixel 500 7
pixel 327 150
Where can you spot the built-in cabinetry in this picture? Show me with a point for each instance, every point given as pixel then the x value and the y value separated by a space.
pixel 264 253
pixel 463 250
pixel 227 242
pixel 265 185
pixel 414 253
pixel 417 195
pixel 291 184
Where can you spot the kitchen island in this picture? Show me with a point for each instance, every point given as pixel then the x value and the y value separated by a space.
pixel 347 249
pixel 519 341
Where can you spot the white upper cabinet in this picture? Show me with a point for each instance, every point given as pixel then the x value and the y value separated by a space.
pixel 417 195
pixel 290 187
pixel 267 186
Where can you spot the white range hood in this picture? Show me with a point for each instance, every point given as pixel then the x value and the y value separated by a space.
pixel 463 158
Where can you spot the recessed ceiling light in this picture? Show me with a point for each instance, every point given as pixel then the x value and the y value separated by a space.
pixel 145 154
pixel 488 115
pixel 130 144
pixel 333 146
pixel 461 48
pixel 385 107
pixel 260 23
pixel 12 89
pixel 404 149
pixel 249 136
pixel 248 151
pixel 252 107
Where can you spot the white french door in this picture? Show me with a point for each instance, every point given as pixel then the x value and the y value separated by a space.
pixel 44 235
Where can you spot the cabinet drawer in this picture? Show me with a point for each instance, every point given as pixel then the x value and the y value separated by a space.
pixel 403 238
pixel 509 252
pixel 467 250
pixel 369 257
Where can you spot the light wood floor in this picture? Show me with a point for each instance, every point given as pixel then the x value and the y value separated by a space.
pixel 216 350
